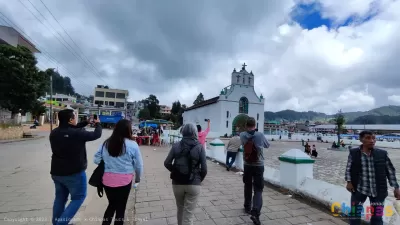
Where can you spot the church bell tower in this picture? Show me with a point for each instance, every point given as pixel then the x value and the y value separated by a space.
pixel 242 77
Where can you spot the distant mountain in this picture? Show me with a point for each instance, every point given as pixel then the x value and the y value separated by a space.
pixel 372 119
pixel 291 115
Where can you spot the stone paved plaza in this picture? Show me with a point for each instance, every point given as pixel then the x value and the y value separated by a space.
pixel 27 191
pixel 221 200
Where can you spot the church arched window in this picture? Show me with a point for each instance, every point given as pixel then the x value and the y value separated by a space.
pixel 243 81
pixel 243 105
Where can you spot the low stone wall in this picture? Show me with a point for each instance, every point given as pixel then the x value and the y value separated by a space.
pixel 11 133
pixel 296 175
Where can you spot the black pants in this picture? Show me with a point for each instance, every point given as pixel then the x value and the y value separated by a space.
pixel 230 158
pixel 117 199
pixel 253 179
pixel 376 203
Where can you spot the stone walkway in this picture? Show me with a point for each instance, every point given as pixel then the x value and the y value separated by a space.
pixel 221 200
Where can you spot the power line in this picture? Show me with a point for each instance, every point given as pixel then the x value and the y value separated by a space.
pixel 69 36
pixel 70 49
pixel 45 54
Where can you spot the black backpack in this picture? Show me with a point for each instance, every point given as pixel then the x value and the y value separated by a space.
pixel 177 175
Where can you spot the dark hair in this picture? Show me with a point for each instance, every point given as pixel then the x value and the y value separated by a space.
pixel 198 128
pixel 116 142
pixel 65 115
pixel 251 122
pixel 364 133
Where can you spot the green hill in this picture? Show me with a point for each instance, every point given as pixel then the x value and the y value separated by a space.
pixel 291 115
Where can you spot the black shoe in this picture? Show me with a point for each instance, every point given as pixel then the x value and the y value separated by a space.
pixel 228 169
pixel 256 220
pixel 247 210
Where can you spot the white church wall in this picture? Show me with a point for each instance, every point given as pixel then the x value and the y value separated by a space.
pixel 231 104
pixel 233 109
pixel 198 115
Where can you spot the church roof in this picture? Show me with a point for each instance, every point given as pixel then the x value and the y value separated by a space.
pixel 204 103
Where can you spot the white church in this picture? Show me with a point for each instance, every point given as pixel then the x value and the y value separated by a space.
pixel 235 99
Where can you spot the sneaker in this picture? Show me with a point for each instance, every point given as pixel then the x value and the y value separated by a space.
pixel 256 220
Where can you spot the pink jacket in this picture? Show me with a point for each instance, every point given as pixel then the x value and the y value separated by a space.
pixel 203 136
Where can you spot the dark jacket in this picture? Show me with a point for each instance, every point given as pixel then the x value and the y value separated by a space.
pixel 198 156
pixel 379 157
pixel 68 144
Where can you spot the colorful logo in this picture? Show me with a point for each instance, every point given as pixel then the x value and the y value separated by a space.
pixel 343 209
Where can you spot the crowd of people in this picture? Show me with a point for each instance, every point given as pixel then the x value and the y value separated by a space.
pixel 119 155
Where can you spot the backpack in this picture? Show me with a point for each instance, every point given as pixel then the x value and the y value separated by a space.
pixel 250 151
pixel 177 175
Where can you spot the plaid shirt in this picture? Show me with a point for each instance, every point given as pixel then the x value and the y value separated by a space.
pixel 367 182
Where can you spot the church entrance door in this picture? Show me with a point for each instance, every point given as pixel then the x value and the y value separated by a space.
pixel 239 123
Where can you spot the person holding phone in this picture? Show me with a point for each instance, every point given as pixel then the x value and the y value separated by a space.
pixel 202 135
pixel 68 164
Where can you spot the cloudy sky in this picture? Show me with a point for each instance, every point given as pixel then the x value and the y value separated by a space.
pixel 306 55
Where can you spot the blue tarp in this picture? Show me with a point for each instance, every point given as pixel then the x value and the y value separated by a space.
pixel 110 119
pixel 153 125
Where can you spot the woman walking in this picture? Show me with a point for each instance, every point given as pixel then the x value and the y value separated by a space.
pixel 121 156
pixel 187 163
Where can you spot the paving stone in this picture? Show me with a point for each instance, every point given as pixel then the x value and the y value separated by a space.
pixel 229 221
pixel 202 216
pixel 275 208
pixel 277 215
pixel 298 220
pixel 163 214
pixel 161 221
pixel 215 215
pixel 205 222
pixel 150 209
pixel 299 212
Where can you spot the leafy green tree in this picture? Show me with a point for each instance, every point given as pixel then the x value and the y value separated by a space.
pixel 21 83
pixel 144 114
pixel 339 121
pixel 199 99
pixel 38 109
pixel 152 104
pixel 61 85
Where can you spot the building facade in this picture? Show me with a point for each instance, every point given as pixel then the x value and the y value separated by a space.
pixel 105 96
pixel 165 110
pixel 235 99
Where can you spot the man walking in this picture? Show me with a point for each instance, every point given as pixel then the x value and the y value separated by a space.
pixel 253 178
pixel 367 170
pixel 68 165
pixel 231 150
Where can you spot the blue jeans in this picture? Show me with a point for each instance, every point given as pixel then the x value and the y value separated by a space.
pixel 358 200
pixel 74 185
pixel 230 158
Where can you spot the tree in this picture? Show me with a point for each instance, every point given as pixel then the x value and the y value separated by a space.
pixel 21 83
pixel 152 104
pixel 199 98
pixel 176 113
pixel 61 85
pixel 38 109
pixel 339 121
pixel 144 114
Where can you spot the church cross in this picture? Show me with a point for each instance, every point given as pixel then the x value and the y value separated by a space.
pixel 244 66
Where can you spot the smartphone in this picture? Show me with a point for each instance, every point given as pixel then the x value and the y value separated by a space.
pixel 95 117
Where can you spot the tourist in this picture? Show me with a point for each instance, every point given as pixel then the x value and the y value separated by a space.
pixel 366 173
pixel 68 165
pixel 253 177
pixel 231 150
pixel 187 163
pixel 314 152
pixel 121 156
pixel 203 134
pixel 307 149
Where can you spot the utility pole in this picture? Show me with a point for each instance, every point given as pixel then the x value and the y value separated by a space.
pixel 51 101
